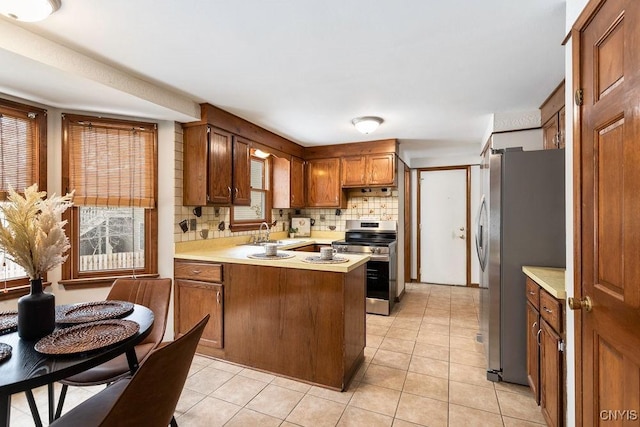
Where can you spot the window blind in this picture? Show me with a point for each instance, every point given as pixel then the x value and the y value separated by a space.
pixel 18 150
pixel 111 163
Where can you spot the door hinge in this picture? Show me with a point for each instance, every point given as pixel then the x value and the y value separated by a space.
pixel 561 346
pixel 579 97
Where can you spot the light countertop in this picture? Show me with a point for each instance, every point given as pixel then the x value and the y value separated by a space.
pixel 238 254
pixel 549 278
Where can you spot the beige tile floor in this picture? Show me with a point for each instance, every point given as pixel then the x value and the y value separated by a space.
pixel 422 367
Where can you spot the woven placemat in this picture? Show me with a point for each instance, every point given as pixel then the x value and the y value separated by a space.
pixel 92 311
pixel 8 321
pixel 86 337
pixel 280 255
pixel 5 351
pixel 317 260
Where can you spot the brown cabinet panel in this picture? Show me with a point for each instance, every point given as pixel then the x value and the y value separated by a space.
pixel 354 170
pixel 312 327
pixel 551 381
pixel 288 183
pixel 195 179
pixel 241 189
pixel 550 133
pixel 369 170
pixel 533 293
pixel 533 351
pixel 552 114
pixel 197 292
pixel 381 169
pixel 193 301
pixel 323 183
pixel 220 150
pixel 297 183
pixel 551 310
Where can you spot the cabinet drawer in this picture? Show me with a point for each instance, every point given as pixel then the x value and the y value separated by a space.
pixel 198 271
pixel 551 310
pixel 533 293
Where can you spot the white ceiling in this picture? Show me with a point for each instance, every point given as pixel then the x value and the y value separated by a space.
pixel 436 71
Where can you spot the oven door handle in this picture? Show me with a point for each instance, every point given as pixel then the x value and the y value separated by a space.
pixel 383 258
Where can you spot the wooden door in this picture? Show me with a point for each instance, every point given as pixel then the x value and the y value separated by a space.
pixel 194 179
pixel 381 169
pixel 241 191
pixel 354 169
pixel 220 149
pixel 297 183
pixel 323 183
pixel 607 183
pixel 561 126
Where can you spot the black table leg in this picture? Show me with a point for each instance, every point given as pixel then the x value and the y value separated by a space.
pixel 34 409
pixel 5 409
pixel 50 392
pixel 132 358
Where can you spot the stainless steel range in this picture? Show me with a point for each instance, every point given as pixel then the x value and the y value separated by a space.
pixel 379 239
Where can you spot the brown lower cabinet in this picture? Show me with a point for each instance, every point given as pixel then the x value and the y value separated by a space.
pixel 545 352
pixel 303 324
pixel 199 291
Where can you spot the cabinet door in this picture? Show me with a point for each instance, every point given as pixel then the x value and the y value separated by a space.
pixel 354 171
pixel 550 133
pixel 194 300
pixel 561 131
pixel 194 191
pixel 241 189
pixel 297 183
pixel 381 169
pixel 533 350
pixel 324 183
pixel 551 384
pixel 220 158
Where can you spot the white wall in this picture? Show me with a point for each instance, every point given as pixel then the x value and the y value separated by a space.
pixel 530 139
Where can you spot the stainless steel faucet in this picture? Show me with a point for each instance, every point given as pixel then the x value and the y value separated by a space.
pixel 268 231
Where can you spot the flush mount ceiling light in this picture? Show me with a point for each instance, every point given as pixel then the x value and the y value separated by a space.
pixel 367 124
pixel 28 10
pixel 261 154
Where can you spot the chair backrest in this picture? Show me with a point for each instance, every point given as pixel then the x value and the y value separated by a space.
pixel 154 294
pixel 152 394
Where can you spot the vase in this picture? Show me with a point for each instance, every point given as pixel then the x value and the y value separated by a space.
pixel 36 312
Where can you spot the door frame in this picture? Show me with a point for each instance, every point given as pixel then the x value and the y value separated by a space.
pixel 467 168
pixel 407 223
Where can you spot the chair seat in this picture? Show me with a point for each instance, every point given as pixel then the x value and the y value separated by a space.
pixel 95 409
pixel 109 371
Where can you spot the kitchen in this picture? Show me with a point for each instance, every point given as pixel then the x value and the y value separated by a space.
pixel 167 154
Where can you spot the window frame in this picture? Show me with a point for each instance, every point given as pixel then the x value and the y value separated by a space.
pixel 20 286
pixel 249 225
pixel 72 277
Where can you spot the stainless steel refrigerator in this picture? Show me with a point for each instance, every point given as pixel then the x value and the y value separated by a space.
pixel 521 222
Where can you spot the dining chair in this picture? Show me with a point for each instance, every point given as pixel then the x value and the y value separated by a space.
pixel 149 398
pixel 154 294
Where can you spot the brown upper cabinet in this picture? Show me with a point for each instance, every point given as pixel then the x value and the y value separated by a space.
pixel 553 119
pixel 374 170
pixel 288 183
pixel 323 183
pixel 216 167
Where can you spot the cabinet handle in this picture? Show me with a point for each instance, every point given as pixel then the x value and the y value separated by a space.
pixel 218 297
pixel 547 310
pixel 196 271
pixel 531 293
pixel 229 191
pixel 236 196
pixel 533 327
pixel 538 337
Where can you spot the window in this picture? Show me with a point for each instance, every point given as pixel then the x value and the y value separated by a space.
pixel 112 166
pixel 23 162
pixel 259 211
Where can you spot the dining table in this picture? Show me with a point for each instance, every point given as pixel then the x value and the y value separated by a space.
pixel 27 368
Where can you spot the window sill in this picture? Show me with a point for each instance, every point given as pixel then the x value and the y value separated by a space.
pixel 99 282
pixel 15 292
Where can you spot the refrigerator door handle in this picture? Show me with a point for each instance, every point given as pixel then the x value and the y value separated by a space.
pixel 480 233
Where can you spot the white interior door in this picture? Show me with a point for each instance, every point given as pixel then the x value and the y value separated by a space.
pixel 443 232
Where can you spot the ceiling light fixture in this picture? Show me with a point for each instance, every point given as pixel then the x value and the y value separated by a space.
pixel 28 10
pixel 367 124
pixel 261 154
